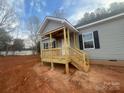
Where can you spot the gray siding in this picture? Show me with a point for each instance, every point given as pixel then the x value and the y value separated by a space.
pixel 111 36
pixel 51 25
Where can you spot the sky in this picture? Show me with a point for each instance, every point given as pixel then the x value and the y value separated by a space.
pixel 74 9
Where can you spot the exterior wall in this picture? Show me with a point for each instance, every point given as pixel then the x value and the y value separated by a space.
pixel 44 41
pixel 51 25
pixel 72 40
pixel 111 38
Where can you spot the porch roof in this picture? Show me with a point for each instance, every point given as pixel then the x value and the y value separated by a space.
pixel 61 20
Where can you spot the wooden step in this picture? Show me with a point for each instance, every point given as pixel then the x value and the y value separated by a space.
pixel 77 60
pixel 77 65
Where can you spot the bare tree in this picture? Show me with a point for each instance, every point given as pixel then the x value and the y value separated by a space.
pixel 33 27
pixel 5 40
pixel 8 23
pixel 8 18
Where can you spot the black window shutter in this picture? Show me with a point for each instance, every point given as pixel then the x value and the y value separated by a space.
pixel 96 40
pixel 81 41
pixel 53 44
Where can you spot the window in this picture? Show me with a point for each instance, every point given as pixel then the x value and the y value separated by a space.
pixel 45 45
pixel 88 40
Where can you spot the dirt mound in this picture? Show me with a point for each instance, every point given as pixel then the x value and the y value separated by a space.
pixel 78 81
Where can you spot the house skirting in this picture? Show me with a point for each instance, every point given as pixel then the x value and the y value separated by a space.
pixel 108 62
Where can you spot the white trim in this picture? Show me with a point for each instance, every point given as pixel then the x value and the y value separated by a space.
pixel 100 21
pixel 63 21
pixel 67 22
pixel 88 40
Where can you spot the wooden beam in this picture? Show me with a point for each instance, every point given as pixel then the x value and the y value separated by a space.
pixel 52 31
pixel 52 66
pixel 50 40
pixel 67 68
pixel 41 48
pixel 76 39
pixel 65 40
pixel 68 37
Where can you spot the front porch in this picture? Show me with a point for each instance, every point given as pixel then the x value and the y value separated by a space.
pixel 57 49
pixel 61 46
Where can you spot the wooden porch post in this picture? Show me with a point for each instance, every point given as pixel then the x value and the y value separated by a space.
pixel 65 48
pixel 52 64
pixel 68 37
pixel 65 40
pixel 75 40
pixel 77 43
pixel 41 47
pixel 67 68
pixel 50 40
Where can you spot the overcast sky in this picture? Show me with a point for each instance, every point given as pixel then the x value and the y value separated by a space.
pixel 73 8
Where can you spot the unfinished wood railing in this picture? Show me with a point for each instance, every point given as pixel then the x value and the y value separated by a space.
pixel 54 55
pixel 79 59
pixel 52 52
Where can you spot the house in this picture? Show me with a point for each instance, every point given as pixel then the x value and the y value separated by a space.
pixel 104 39
pixel 101 40
pixel 59 44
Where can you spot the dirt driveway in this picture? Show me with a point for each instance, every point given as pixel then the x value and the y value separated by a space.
pixel 24 74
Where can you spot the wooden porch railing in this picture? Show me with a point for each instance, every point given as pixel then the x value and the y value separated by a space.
pixel 80 59
pixel 52 52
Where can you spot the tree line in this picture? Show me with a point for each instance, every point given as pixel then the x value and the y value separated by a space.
pixel 101 13
pixel 7 43
pixel 9 24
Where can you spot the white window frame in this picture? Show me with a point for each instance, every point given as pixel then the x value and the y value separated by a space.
pixel 88 40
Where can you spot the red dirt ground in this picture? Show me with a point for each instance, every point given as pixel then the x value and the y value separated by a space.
pixel 24 74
